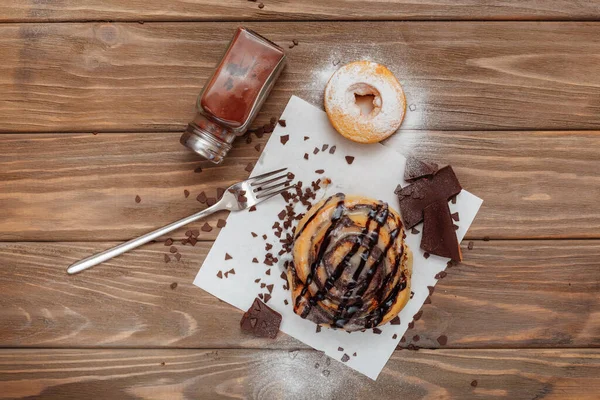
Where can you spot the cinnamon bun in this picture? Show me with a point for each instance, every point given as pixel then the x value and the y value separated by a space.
pixel 351 267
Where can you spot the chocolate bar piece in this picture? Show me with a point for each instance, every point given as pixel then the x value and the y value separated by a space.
pixel 261 320
pixel 416 169
pixel 439 236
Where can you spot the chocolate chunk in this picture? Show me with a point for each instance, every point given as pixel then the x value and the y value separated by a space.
pixel 138 199
pixel 418 315
pixel 169 242
pixel 227 256
pixel 340 349
pixel 316 150
pixel 201 197
pixel 231 271
pixel 416 169
pixel 260 295
pixel 186 193
pixel 255 260
pixel 306 138
pixel 220 275
pixel 284 139
pixel 264 237
pixel 415 231
pixel 253 234
pixel 270 288
pixel 267 297
pixel 282 122
pixel 319 171
pixel 470 246
pixel 195 233
pixel 173 285
pixel 474 383
pixel 257 147
pixel 441 275
pixel 345 357
pixel 167 258
pixel 427 300
pixel 305 157
pixel 455 217
pixel 266 323
pixel 426 255
pixel 173 249
pixel 403 339
pixel 281 215
pixel 268 246
pixel 377 331
pixel 395 320
pixel 257 280
pixel 249 167
pixel 416 338
pixel 439 236
pixel 325 147
pixel 268 272
pixel 290 176
pixel 412 294
pixel 221 223
pixel 442 340
pixel 318 328
pixel 395 336
pixel 262 285
pixel 206 227
pixel 349 159
pixel 198 170
pixel 354 354
pixel 178 256
pixel 251 209
pixel 431 289
pixel 332 149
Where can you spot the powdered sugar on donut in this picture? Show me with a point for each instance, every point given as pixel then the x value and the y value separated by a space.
pixel 365 78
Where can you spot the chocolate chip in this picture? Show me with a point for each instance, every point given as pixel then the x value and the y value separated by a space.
pixel 305 157
pixel 138 199
pixel 231 271
pixel 418 315
pixel 319 171
pixel 227 256
pixel 442 340
pixel 268 272
pixel 394 336
pixel 257 280
pixel 251 209
pixel 332 149
pixel 267 297
pixel 395 320
pixel 455 216
pixel 318 328
pixel 267 320
pixel 290 176
pixel 206 227
pixel 441 275
pixel 426 255
pixel 173 285
pixel 255 260
pixel 253 234
pixel 270 288
pixel 257 147
pixel 403 339
pixel 221 223
pixel 325 147
pixel 282 122
pixel 173 249
pixel 249 167
pixel 169 242
pixel 474 383
pixel 195 233
pixel 264 237
pixel 354 354
pixel 284 139
pixel 285 302
pixel 186 193
pixel 167 258
pixel 340 349
pixel 316 150
pixel 201 197
pixel 268 246
pixel 345 357
pixel 349 159
pixel 431 289
pixel 260 295
pixel 220 275
pixel 306 138
pixel 377 331
pixel 193 241
pixel 470 246
pixel 414 231
pixel 198 170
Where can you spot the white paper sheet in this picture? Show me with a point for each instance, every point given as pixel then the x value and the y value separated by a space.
pixel 375 172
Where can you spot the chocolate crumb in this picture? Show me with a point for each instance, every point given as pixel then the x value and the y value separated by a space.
pixel 257 147
pixel 403 339
pixel 201 197
pixel 260 295
pixel 442 340
pixel 249 167
pixel 474 383
pixel 418 315
pixel 173 285
pixel 441 275
pixel 220 275
pixel 186 193
pixel 198 170
pixel 306 138
pixel 319 171
pixel 340 349
pixel 173 249
pixel 455 216
pixel 206 227
pixel 138 199
pixel 395 320
pixel 354 354
pixel 169 242
pixel 232 271
pixel 267 297
pixel 167 258
pixel 221 223
pixel 255 260
pixel 282 122
pixel 332 149
pixel 349 160
pixel 394 336
pixel 318 328
pixel 345 357
pixel 252 209
pixel 316 150
pixel 270 288
pixel 305 157
pixel 264 237
pixel 290 176
pixel 284 139
pixel 268 272
pixel 282 215
pixel 377 331
pixel 285 302
pixel 253 234
pixel 412 294
pixel 227 256
pixel 426 255
pixel 414 231
pixel 257 280
pixel 325 147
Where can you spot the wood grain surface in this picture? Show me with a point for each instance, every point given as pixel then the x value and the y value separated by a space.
pixel 457 75
pixel 234 374
pixel 243 10
pixel 82 187
pixel 505 294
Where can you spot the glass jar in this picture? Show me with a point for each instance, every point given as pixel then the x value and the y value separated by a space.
pixel 234 94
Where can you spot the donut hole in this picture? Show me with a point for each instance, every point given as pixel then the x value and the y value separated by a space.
pixel 365 99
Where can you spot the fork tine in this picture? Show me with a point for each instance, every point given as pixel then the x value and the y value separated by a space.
pixel 265 175
pixel 263 183
pixel 266 189
pixel 265 196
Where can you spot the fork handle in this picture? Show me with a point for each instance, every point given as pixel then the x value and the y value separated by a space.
pixel 134 243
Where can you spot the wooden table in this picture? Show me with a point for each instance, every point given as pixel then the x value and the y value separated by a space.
pixel 94 96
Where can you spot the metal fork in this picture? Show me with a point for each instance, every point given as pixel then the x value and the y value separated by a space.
pixel 237 197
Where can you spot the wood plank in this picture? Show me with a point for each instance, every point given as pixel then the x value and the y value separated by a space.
pixel 81 187
pixel 126 374
pixel 505 294
pixel 457 75
pixel 212 10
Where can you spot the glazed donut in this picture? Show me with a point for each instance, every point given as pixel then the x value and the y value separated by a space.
pixel 351 268
pixel 365 78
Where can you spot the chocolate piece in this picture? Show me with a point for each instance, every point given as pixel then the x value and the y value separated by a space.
pixel 395 320
pixel 173 285
pixel 439 236
pixel 290 176
pixel 261 320
pixel 188 233
pixel 268 272
pixel 285 302
pixel 441 275
pixel 253 234
pixel 306 138
pixel 138 199
pixel 306 156
pixel 260 295
pixel 249 167
pixel 257 280
pixel 186 193
pixel 318 328
pixel 201 197
pixel 345 357
pixel 282 122
pixel 169 242
pixel 395 336
pixel 442 340
pixel 173 249
pixel 377 331
pixel 403 339
pixel 418 315
pixel 340 349
pixel 227 257
pixel 167 258
pixel 270 288
pixel 267 297
pixel 470 246
pixel 416 169
pixel 325 147
pixel 426 255
pixel 316 150
pixel 262 285
pixel 264 237
pixel 231 271
pixel 206 227
pixel 354 354
pixel 255 260
pixel 220 275
pixel 349 160
pixel 412 294
pixel 284 139
pixel 319 171
pixel 431 289
pixel 474 383
pixel 332 149
pixel 257 147
pixel 221 223
pixel 195 232
pixel 415 231
pixel 252 209
pixel 198 170
pixel 281 215
pixel 455 216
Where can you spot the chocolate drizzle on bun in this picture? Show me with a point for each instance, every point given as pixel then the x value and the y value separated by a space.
pixel 351 267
